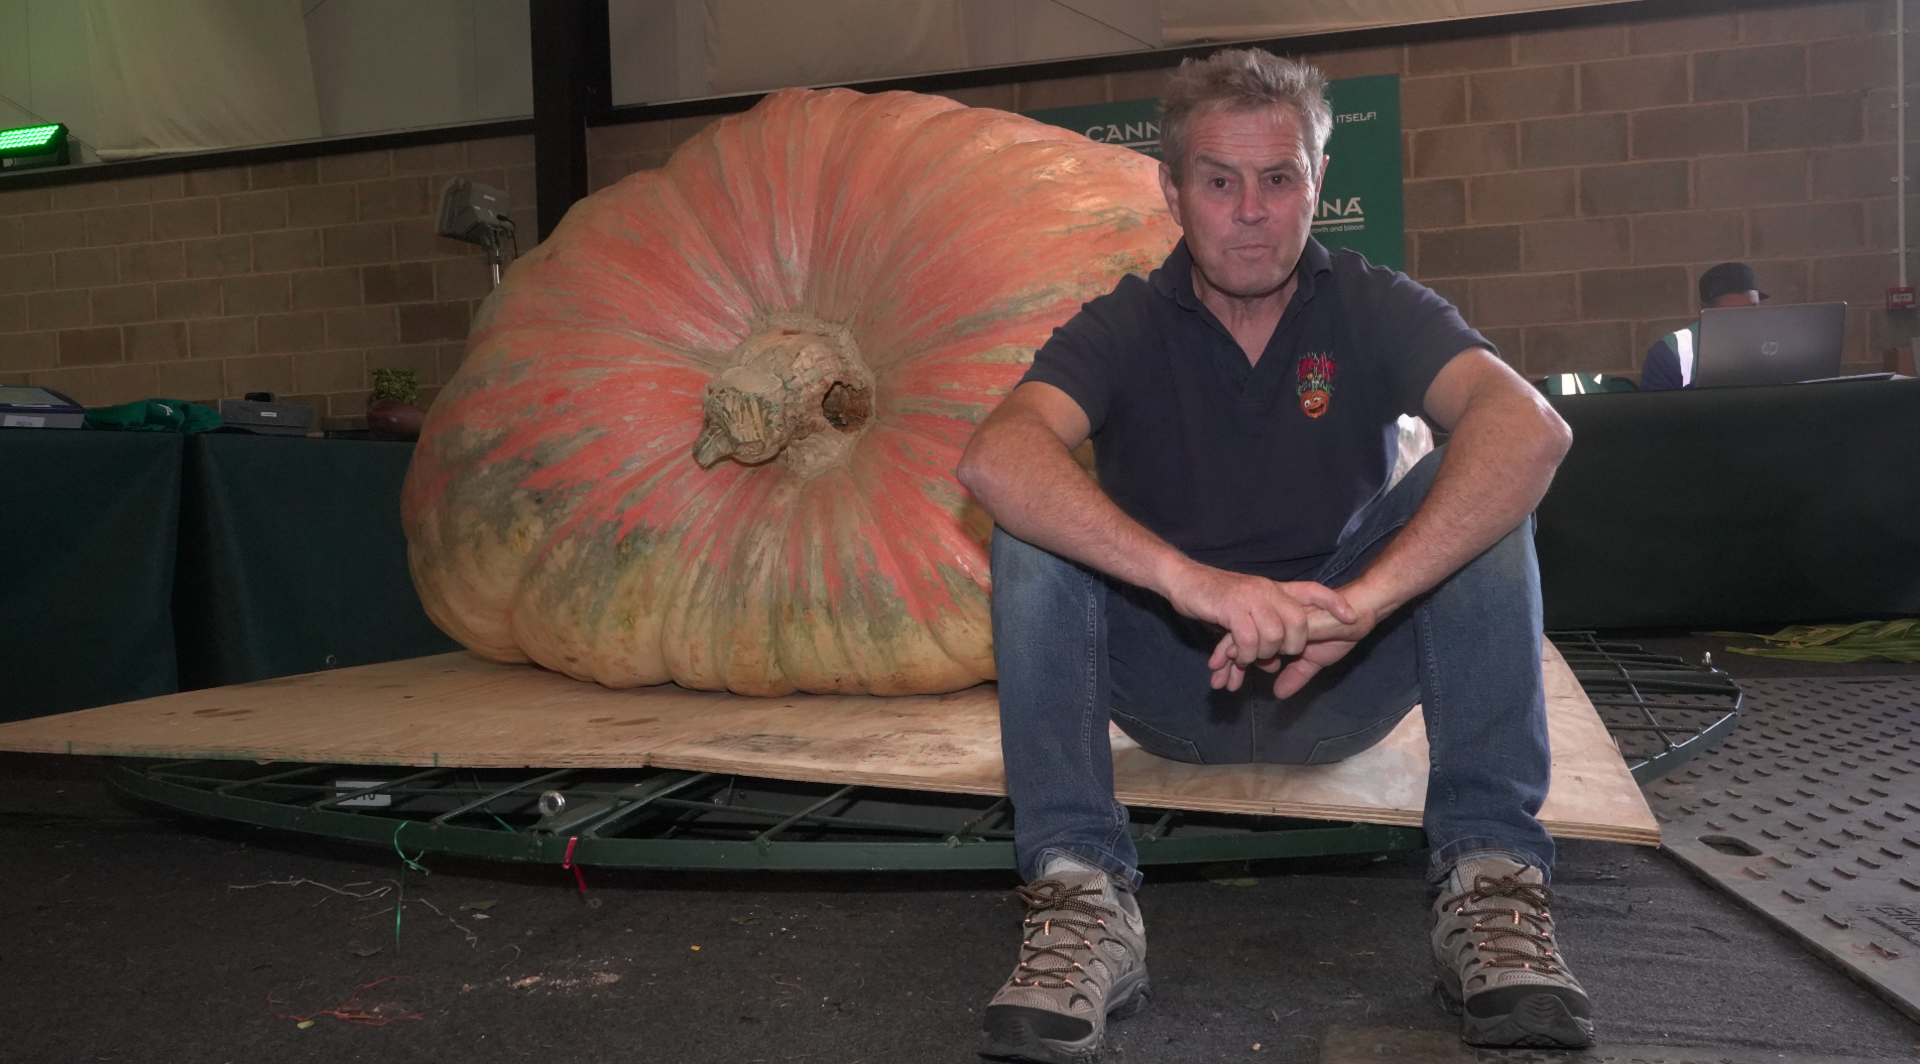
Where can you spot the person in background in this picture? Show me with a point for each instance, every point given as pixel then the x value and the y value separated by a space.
pixel 1669 362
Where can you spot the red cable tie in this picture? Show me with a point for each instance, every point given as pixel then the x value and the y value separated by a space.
pixel 567 862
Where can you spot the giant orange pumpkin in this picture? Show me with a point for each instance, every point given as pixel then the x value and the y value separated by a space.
pixel 706 432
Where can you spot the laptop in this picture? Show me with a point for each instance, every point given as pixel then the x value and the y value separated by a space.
pixel 1769 345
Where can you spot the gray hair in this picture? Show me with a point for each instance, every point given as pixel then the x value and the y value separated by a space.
pixel 1243 79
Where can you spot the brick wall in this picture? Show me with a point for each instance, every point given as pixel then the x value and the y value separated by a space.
pixel 1564 188
pixel 1567 189
pixel 297 278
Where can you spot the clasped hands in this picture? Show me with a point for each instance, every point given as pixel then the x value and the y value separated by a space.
pixel 1267 621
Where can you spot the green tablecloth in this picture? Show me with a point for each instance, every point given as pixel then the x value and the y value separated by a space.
pixel 292 559
pixel 141 563
pixel 1734 507
pixel 88 547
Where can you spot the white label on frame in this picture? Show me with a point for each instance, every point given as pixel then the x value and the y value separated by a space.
pixel 366 801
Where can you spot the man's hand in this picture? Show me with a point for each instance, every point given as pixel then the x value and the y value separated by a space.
pixel 1264 619
pixel 1328 639
pixel 1319 654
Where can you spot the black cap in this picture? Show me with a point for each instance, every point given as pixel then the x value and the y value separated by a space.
pixel 1725 279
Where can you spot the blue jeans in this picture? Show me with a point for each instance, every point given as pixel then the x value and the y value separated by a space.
pixel 1075 648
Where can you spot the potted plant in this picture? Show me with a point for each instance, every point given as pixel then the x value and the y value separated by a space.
pixel 392 414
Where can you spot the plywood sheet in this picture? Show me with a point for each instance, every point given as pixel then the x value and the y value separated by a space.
pixel 459 710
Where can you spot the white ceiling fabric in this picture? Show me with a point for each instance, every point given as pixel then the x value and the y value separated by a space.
pixel 193 75
pixel 1191 21
pixel 140 77
pixel 752 45
pixel 757 44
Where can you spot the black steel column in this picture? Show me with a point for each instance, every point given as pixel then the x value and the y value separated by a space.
pixel 572 78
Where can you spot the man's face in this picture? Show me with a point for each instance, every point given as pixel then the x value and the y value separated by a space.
pixel 1246 198
pixel 1748 298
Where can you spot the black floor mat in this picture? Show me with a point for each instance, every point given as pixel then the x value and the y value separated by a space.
pixel 128 937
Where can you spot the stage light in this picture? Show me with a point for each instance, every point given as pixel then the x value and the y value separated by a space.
pixel 41 145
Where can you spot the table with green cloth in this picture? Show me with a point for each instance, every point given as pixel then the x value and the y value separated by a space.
pixel 1735 507
pixel 88 544
pixel 292 559
pixel 144 563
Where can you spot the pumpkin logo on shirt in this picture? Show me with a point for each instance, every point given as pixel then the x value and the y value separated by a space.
pixel 1315 384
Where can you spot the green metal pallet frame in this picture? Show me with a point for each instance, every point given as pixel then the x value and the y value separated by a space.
pixel 657 818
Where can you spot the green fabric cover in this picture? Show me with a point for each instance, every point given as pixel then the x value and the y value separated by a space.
pixel 1735 507
pixel 155 415
pixel 88 544
pixel 292 559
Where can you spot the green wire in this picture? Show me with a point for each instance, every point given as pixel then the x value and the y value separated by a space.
pixel 488 808
pixel 400 896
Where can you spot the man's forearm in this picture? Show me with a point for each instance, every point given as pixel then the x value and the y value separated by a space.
pixel 1497 466
pixel 1034 490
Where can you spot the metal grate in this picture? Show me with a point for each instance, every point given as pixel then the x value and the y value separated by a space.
pixel 1811 814
pixel 1662 711
pixel 663 818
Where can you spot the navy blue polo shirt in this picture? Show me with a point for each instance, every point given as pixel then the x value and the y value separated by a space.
pixel 1255 468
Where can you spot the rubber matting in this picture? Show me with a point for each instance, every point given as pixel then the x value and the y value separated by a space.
pixel 1810 813
pixel 1383 1045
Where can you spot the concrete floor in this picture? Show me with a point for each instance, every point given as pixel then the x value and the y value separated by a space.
pixel 141 938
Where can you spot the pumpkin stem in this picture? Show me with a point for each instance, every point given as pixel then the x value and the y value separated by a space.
pixel 795 389
pixel 714 444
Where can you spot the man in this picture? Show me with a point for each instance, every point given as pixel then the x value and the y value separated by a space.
pixel 1242 403
pixel 1669 363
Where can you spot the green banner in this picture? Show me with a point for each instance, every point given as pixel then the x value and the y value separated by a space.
pixel 1360 205
pixel 1131 124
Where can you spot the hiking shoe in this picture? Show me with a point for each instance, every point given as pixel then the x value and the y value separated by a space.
pixel 1083 961
pixel 1499 969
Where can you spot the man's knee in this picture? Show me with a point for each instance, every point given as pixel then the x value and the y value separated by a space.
pixel 1511 563
pixel 1018 565
pixel 1370 529
pixel 1410 491
pixel 1045 608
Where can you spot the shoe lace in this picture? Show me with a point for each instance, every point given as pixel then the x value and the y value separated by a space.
pixel 1532 925
pixel 1050 903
